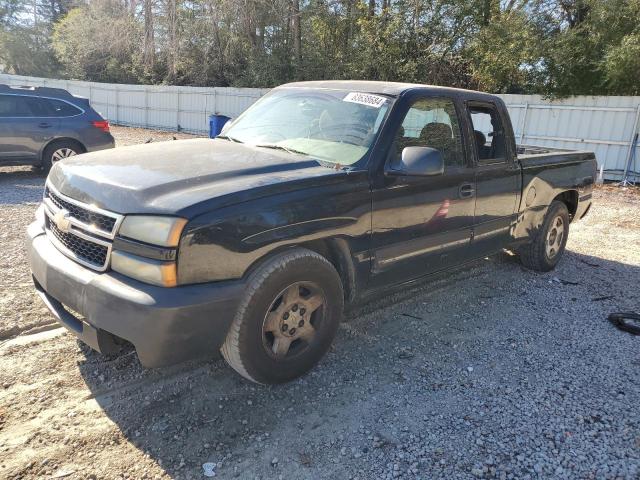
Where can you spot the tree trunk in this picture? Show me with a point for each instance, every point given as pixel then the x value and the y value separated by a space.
pixel 372 8
pixel 149 38
pixel 173 41
pixel 295 31
pixel 417 11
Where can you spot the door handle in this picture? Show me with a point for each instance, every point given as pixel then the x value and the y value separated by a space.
pixel 466 190
pixel 44 125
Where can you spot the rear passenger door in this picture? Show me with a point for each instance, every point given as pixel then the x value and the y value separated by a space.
pixel 497 178
pixel 27 123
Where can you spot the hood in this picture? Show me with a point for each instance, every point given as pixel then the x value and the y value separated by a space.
pixel 182 177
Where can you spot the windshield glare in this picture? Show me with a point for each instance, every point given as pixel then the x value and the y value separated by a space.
pixel 336 126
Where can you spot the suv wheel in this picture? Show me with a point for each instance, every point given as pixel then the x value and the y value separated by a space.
pixel 287 319
pixel 58 151
pixel 545 250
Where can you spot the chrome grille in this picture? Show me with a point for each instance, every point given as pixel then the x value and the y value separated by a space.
pixel 80 231
pixel 101 222
pixel 84 250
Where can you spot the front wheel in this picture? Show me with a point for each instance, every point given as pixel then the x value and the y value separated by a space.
pixel 287 319
pixel 547 246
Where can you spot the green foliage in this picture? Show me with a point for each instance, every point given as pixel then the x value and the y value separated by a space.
pixel 99 42
pixel 504 55
pixel 598 54
pixel 622 65
pixel 553 47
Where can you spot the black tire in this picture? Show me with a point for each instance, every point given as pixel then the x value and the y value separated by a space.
pixel 535 255
pixel 247 348
pixel 51 149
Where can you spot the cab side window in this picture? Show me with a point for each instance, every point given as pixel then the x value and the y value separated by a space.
pixel 489 134
pixel 432 122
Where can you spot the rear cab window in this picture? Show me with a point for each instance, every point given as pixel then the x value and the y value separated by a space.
pixel 489 133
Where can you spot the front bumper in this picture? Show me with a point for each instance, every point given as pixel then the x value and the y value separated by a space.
pixel 165 325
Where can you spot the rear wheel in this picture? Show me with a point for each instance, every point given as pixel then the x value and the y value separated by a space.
pixel 546 248
pixel 287 319
pixel 59 151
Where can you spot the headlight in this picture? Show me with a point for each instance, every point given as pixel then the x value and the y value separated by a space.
pixel 164 231
pixel 146 270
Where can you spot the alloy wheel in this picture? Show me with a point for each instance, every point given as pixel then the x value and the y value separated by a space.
pixel 62 153
pixel 293 319
pixel 555 236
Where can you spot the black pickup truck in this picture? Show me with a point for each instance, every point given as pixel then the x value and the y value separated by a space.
pixel 320 195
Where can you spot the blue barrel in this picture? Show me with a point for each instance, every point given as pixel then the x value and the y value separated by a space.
pixel 216 122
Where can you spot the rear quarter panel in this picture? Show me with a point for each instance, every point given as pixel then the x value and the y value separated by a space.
pixel 546 176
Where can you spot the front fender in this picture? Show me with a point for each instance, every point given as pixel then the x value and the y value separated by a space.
pixel 224 244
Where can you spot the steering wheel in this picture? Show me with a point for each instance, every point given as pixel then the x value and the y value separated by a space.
pixel 348 130
pixel 271 134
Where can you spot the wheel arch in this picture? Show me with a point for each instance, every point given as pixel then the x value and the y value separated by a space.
pixel 570 199
pixel 335 250
pixel 62 140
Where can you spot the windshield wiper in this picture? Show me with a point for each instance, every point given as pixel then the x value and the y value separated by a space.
pixel 227 137
pixel 275 146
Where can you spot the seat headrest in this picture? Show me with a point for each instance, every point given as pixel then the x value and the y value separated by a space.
pixel 481 140
pixel 436 133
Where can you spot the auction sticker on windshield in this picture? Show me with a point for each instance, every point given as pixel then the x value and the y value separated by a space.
pixel 367 99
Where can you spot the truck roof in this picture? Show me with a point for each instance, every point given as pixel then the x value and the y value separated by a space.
pixel 393 89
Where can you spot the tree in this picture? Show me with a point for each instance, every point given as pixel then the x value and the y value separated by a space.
pixel 552 47
pixel 149 56
pixel 99 43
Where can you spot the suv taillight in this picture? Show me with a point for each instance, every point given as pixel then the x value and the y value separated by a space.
pixel 101 124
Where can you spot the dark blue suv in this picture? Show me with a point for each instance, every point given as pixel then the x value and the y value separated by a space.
pixel 40 126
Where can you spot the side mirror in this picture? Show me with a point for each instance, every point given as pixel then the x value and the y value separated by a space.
pixel 418 161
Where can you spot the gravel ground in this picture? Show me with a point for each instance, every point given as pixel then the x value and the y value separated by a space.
pixel 492 371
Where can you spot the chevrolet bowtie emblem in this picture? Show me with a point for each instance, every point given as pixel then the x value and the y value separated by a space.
pixel 61 219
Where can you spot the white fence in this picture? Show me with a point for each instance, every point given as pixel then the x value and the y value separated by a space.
pixel 154 106
pixel 605 125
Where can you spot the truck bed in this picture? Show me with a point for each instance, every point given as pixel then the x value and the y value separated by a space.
pixel 537 150
pixel 531 156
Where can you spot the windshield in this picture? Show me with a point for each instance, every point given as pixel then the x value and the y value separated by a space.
pixel 336 126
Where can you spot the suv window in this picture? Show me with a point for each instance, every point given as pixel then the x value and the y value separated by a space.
pixel 432 122
pixel 58 108
pixel 15 106
pixel 25 106
pixel 489 134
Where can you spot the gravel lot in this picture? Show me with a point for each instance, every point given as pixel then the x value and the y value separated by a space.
pixel 492 371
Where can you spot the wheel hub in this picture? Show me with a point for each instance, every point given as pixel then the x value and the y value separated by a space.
pixel 62 153
pixel 291 320
pixel 555 236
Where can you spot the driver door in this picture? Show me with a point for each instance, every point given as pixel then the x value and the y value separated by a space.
pixel 422 224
